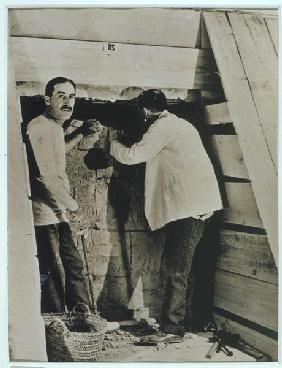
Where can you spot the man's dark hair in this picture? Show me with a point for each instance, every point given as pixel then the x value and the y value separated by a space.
pixel 51 84
pixel 153 99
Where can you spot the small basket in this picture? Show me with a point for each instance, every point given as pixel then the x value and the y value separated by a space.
pixel 64 344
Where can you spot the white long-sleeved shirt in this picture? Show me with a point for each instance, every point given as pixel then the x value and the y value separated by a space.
pixel 46 137
pixel 179 181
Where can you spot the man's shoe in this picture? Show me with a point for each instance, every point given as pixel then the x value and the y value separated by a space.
pixel 209 327
pixel 82 308
pixel 173 329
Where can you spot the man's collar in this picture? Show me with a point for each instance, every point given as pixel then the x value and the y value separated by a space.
pixel 163 114
pixel 50 117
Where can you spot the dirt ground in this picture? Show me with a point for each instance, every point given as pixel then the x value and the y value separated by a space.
pixel 120 346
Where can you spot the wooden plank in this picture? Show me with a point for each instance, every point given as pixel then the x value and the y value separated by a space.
pixel 228 156
pixel 260 63
pixel 147 26
pixel 259 341
pixel 269 12
pixel 244 116
pixel 217 113
pixel 248 255
pixel 26 327
pixel 92 63
pixel 241 205
pixel 273 12
pixel 273 29
pixel 254 300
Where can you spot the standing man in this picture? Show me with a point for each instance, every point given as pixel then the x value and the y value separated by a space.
pixel 181 192
pixel 61 268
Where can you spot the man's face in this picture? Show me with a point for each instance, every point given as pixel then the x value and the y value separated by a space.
pixel 62 101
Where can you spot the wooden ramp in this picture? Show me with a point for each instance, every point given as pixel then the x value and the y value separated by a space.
pixel 245 49
pixel 251 90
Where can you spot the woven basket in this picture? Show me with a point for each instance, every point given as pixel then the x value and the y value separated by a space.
pixel 66 345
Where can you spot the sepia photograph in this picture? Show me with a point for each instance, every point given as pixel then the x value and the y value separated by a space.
pixel 142 184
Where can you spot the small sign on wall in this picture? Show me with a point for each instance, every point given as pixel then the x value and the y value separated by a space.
pixel 109 47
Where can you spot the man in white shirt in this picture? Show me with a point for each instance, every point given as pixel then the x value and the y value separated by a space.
pixel 181 191
pixel 61 268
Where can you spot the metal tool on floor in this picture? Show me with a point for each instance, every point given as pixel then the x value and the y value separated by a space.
pixel 220 339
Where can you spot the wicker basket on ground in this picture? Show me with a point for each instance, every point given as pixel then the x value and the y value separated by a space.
pixel 65 341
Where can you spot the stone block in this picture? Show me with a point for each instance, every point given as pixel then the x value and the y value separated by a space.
pixel 141 313
pixel 122 254
pixel 105 173
pixel 118 291
pixel 146 252
pixel 105 237
pixel 137 297
pixel 106 217
pixel 99 285
pixel 136 219
pixel 108 253
pixel 87 142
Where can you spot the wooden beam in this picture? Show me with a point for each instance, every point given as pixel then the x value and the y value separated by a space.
pixel 251 299
pixel 228 156
pixel 242 207
pixel 144 26
pixel 247 255
pixel 217 113
pixel 26 326
pixel 93 63
pixel 245 118
pixel 260 64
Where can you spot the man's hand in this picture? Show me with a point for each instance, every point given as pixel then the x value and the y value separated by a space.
pixel 91 127
pixel 112 135
pixel 77 217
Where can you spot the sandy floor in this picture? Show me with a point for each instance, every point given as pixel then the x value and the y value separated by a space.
pixel 119 346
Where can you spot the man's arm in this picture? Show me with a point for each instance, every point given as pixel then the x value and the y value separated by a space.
pixel 58 190
pixel 153 141
pixel 88 127
pixel 40 137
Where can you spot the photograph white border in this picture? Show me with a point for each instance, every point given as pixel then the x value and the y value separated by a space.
pixel 4 5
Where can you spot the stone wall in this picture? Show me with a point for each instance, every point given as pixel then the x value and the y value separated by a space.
pixel 123 256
